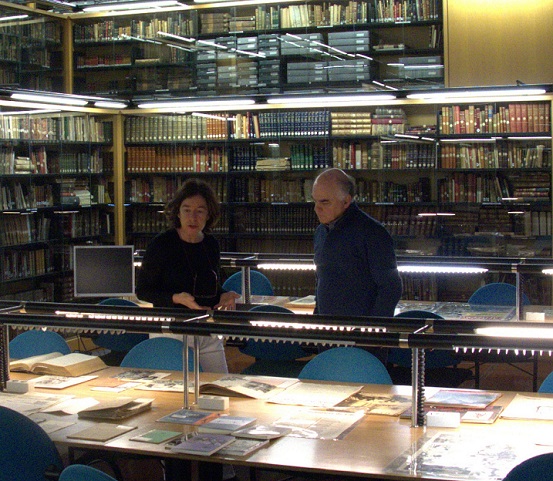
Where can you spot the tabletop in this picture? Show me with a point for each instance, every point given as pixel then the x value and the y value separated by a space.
pixel 378 446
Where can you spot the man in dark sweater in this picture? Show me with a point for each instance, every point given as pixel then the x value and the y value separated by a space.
pixel 354 254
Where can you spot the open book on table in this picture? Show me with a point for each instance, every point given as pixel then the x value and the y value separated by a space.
pixel 117 409
pixel 57 364
pixel 257 387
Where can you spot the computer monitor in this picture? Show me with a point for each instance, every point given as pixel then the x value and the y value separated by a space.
pixel 103 271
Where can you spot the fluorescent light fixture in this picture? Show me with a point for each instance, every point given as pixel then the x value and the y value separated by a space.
pixel 516 332
pixel 52 99
pixel 435 214
pixel 548 272
pixel 13 17
pixel 485 92
pixel 431 269
pixel 236 3
pixel 196 104
pixel 110 104
pixel 533 137
pixel 31 112
pixel 471 140
pixel 281 266
pixel 325 99
pixel 104 7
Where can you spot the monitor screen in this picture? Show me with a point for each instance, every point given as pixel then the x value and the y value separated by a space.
pixel 103 271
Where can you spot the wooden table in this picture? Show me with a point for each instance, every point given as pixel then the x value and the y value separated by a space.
pixel 367 451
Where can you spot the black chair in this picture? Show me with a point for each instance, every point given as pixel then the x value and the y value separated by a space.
pixel 547 385
pixel 273 358
pixel 538 468
pixel 118 344
pixel 26 452
pixel 346 364
pixel 440 366
pixel 83 472
pixel 500 294
pixel 36 342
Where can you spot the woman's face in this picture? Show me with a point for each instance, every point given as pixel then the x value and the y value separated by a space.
pixel 193 215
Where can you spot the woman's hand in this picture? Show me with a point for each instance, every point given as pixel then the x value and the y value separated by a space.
pixel 187 300
pixel 227 301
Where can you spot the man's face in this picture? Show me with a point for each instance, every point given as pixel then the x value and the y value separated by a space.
pixel 330 201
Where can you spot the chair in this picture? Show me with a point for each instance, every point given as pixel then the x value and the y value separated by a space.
pixel 259 284
pixel 118 342
pixel 82 472
pixel 26 451
pixel 500 294
pixel 273 358
pixel 547 385
pixel 163 353
pixel 538 468
pixel 346 364
pixel 497 294
pixel 36 342
pixel 440 366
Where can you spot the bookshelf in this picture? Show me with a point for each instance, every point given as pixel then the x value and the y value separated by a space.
pixel 264 49
pixel 30 53
pixel 439 192
pixel 55 191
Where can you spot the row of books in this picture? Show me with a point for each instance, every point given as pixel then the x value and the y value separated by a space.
pixel 495 155
pixel 61 127
pixel 45 161
pixel 326 14
pixel 24 229
pixel 44 293
pixel 162 189
pixel 377 191
pixel 275 219
pixel 146 220
pixel 407 10
pixel 477 188
pixel 31 33
pixel 175 127
pixel 22 264
pixel 491 118
pixel 251 125
pixel 272 190
pixel 19 196
pixel 81 224
pixel 261 18
pixel 123 29
pixel 178 158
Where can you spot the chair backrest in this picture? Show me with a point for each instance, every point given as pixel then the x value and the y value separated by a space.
pixel 270 350
pixel 82 472
pixel 347 364
pixel 117 301
pixel 547 385
pixel 158 353
pixel 433 359
pixel 497 294
pixel 26 451
pixel 538 468
pixel 36 342
pixel 259 284
pixel 119 342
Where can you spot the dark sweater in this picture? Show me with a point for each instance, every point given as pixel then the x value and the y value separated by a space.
pixel 171 266
pixel 356 267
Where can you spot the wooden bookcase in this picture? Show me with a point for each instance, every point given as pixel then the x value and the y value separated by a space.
pixel 441 190
pixel 56 189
